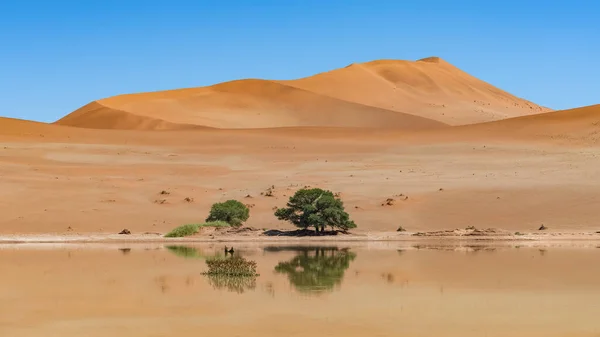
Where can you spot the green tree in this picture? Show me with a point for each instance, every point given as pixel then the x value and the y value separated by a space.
pixel 317 270
pixel 315 208
pixel 231 211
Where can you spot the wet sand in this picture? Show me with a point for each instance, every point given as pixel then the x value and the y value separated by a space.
pixel 388 289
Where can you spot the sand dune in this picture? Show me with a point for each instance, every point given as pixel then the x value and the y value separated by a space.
pixel 403 95
pixel 98 116
pixel 237 104
pixel 581 124
pixel 430 88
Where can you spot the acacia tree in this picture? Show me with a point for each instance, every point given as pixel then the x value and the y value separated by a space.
pixel 315 208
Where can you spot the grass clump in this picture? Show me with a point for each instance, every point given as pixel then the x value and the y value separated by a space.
pixel 234 266
pixel 191 229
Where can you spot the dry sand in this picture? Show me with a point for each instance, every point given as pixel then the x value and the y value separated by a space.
pixel 381 94
pixel 69 180
pixel 514 174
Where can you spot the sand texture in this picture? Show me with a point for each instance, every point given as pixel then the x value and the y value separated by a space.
pixel 366 131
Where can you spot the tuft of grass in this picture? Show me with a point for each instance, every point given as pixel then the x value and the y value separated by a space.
pixel 234 266
pixel 191 229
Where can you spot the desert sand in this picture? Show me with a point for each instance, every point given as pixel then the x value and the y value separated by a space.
pixel 371 132
pixel 386 93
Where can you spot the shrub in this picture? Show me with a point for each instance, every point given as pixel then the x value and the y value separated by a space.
pixel 315 208
pixel 231 211
pixel 191 229
pixel 401 229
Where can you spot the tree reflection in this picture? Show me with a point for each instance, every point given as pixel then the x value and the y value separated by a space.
pixel 317 270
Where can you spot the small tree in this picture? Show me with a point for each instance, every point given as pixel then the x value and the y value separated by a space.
pixel 231 211
pixel 315 208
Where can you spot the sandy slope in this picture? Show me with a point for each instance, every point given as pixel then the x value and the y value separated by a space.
pixel 507 174
pixel 396 94
pixel 580 124
pixel 430 88
pixel 238 104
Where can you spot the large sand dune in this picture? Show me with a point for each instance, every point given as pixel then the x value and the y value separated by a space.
pixel 237 104
pixel 430 88
pixel 402 95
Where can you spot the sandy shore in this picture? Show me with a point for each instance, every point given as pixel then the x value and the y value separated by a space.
pixel 590 237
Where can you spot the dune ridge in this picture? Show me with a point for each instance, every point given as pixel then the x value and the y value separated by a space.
pixel 430 87
pixel 403 95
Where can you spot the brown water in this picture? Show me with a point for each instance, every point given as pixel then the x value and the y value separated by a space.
pixel 358 290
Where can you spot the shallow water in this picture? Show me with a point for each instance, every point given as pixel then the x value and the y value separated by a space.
pixel 343 290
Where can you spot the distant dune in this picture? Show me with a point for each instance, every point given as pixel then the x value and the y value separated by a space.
pixel 404 95
pixel 573 124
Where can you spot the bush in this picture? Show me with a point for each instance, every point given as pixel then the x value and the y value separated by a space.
pixel 191 229
pixel 315 208
pixel 181 231
pixel 231 211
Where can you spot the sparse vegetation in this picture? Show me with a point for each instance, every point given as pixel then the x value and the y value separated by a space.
pixel 269 191
pixel 543 228
pixel 234 266
pixel 400 229
pixel 519 233
pixel 388 202
pixel 165 192
pixel 237 284
pixel 191 229
pixel 232 212
pixel 315 208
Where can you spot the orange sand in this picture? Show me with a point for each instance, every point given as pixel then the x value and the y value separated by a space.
pixel 106 175
pixel 387 93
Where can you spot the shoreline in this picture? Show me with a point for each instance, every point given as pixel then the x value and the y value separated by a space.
pixel 406 237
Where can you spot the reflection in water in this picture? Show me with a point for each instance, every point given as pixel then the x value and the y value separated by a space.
pixel 220 275
pixel 191 253
pixel 238 284
pixel 316 270
pixel 125 251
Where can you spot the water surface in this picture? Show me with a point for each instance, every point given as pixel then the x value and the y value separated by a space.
pixel 343 290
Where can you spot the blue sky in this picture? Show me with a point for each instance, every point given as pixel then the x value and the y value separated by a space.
pixel 56 56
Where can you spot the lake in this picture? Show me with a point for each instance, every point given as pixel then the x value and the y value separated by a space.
pixel 369 289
